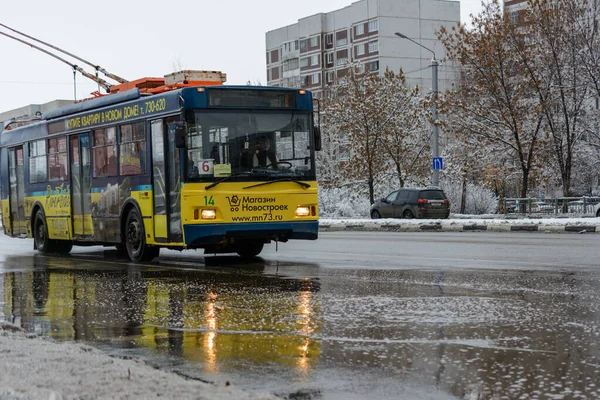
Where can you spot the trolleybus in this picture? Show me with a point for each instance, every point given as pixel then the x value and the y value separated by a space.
pixel 222 168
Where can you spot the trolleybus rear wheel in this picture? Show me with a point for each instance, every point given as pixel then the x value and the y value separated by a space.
pixel 249 249
pixel 135 239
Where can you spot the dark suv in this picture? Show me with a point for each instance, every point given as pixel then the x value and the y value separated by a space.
pixel 429 202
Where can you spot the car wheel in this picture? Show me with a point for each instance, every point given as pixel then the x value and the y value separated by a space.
pixel 598 213
pixel 408 214
pixel 375 214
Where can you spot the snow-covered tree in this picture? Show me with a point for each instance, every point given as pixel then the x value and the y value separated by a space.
pixel 558 76
pixel 495 101
pixel 381 121
pixel 405 134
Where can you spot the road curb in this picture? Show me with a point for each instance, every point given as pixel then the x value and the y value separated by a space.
pixel 454 227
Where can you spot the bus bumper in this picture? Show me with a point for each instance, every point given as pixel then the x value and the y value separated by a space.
pixel 200 234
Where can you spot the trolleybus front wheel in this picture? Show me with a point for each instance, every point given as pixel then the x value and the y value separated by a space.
pixel 135 239
pixel 40 233
pixel 249 249
pixel 42 242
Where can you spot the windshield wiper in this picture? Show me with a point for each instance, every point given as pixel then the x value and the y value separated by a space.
pixel 212 185
pixel 304 185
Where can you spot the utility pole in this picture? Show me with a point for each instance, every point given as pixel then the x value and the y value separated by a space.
pixel 435 150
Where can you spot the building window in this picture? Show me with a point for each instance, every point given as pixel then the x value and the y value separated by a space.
pixel 105 152
pixel 329 38
pixel 288 47
pixel 304 62
pixel 373 66
pixel 57 159
pixel 360 30
pixel 373 47
pixel 314 60
pixel 295 45
pixel 132 149
pixel 314 41
pixel 303 45
pixel 37 162
pixel 329 58
pixel 329 76
pixel 515 17
pixel 360 68
pixel 341 41
pixel 291 64
pixel 344 151
pixel 315 78
pixel 342 61
pixel 360 49
pixel 373 26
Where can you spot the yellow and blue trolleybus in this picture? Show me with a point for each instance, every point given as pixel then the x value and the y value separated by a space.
pixel 222 168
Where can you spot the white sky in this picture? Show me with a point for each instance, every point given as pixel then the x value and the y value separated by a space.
pixel 134 39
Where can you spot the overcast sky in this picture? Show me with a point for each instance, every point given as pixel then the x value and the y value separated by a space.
pixel 136 38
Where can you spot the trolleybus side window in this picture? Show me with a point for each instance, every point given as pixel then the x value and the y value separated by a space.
pixel 105 152
pixel 132 149
pixel 37 162
pixel 57 159
pixel 194 146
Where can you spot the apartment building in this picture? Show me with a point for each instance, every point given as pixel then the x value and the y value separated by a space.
pixel 21 116
pixel 514 8
pixel 317 50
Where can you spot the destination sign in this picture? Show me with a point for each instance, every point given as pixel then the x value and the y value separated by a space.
pixel 120 113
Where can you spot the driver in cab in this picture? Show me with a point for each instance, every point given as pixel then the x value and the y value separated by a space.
pixel 264 157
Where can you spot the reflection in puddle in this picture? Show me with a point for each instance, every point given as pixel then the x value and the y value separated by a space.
pixel 211 319
pixel 462 334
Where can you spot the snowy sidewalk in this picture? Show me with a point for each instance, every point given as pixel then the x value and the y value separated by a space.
pixel 463 223
pixel 37 368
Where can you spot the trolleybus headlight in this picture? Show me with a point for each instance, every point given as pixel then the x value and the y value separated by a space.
pixel 302 211
pixel 209 214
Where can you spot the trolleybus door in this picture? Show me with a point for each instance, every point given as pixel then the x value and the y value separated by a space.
pixel 17 191
pixel 81 175
pixel 166 184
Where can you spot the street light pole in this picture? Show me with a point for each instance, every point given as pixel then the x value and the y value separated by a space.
pixel 435 150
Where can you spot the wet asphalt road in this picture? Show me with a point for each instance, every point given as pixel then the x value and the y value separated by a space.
pixel 350 316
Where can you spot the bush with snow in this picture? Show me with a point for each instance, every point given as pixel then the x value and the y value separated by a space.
pixel 480 200
pixel 342 202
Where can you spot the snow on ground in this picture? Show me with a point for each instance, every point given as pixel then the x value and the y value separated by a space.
pixel 461 220
pixel 37 368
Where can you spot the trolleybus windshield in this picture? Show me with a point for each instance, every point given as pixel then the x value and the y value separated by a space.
pixel 249 145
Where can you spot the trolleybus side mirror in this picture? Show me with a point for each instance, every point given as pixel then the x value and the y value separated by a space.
pixel 180 137
pixel 317 135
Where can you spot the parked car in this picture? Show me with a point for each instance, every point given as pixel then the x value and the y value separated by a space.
pixel 541 207
pixel 429 202
pixel 576 206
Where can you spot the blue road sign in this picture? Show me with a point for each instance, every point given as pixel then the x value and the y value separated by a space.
pixel 438 163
